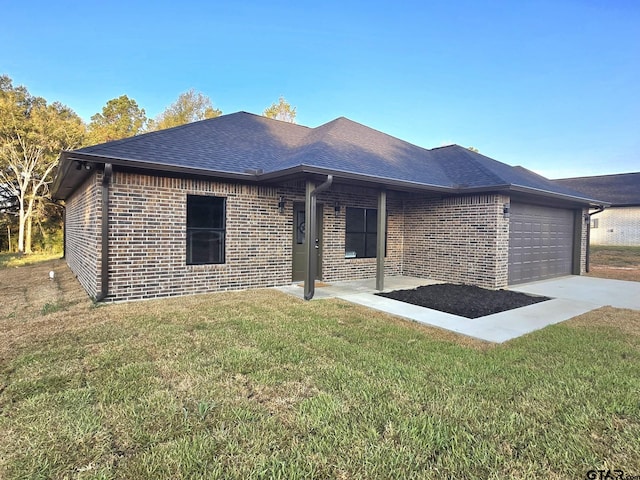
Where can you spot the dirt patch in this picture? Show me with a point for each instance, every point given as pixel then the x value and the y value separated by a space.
pixel 33 307
pixel 464 300
pixel 615 262
pixel 629 274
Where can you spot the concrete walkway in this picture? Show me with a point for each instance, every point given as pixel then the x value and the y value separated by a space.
pixel 571 296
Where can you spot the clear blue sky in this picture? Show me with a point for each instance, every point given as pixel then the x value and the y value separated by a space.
pixel 550 85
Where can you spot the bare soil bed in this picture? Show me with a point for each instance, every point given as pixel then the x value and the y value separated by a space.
pixel 464 300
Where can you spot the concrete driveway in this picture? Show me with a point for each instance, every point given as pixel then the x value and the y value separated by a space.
pixel 571 296
pixel 588 290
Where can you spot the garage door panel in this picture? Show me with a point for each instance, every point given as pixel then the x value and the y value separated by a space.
pixel 540 242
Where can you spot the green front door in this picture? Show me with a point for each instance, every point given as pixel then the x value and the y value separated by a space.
pixel 299 236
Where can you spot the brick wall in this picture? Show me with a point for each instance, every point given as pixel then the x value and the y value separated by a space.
pixel 336 266
pixel 82 234
pixel 458 239
pixel 617 226
pixel 147 238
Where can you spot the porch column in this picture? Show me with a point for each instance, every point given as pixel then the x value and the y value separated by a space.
pixel 382 235
pixel 309 239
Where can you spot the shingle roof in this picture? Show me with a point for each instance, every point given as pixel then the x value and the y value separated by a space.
pixel 241 142
pixel 619 190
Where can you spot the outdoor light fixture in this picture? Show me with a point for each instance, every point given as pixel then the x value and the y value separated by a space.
pixel 281 204
pixel 336 208
pixel 506 209
pixel 80 165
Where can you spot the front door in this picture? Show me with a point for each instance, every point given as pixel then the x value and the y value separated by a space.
pixel 299 236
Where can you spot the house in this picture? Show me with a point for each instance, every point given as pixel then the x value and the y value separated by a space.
pixel 619 224
pixel 242 201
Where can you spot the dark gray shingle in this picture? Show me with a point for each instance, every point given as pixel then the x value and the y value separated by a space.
pixel 620 190
pixel 242 142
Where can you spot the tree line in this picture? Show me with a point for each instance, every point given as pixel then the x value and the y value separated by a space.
pixel 34 132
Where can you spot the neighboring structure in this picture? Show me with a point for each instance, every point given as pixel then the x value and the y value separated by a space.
pixel 226 204
pixel 620 223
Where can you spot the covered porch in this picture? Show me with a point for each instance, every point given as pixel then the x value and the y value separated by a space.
pixel 345 288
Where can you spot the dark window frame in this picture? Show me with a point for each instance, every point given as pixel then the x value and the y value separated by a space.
pixel 365 232
pixel 220 230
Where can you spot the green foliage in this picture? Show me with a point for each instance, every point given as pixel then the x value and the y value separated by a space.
pixel 120 118
pixel 32 135
pixel 191 106
pixel 281 111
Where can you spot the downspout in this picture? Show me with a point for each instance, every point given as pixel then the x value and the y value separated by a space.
pixel 64 231
pixel 312 256
pixel 599 209
pixel 104 269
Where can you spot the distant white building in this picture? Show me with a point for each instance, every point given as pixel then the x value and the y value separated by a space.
pixel 620 223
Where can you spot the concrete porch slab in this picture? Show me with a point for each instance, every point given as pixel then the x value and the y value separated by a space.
pixel 571 296
pixel 349 287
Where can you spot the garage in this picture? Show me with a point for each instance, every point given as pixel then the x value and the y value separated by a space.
pixel 541 242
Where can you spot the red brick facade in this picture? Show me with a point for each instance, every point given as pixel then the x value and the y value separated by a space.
pixel 458 239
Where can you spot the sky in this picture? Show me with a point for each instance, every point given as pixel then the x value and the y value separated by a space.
pixel 553 86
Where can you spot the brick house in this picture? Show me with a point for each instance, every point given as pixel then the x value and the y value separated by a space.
pixel 225 204
pixel 620 223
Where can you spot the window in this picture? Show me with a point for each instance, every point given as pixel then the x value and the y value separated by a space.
pixel 361 233
pixel 205 229
pixel 594 223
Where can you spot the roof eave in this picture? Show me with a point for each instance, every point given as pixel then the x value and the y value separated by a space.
pixel 61 174
pixel 301 170
pixel 560 196
pixel 161 167
pixel 67 159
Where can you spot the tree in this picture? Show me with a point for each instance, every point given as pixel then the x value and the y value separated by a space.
pixel 8 216
pixel 473 149
pixel 190 106
pixel 32 135
pixel 281 111
pixel 120 118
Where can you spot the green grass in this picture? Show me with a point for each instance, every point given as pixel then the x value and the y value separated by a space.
pixel 259 385
pixel 20 260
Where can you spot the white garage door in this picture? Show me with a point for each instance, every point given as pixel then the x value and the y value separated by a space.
pixel 540 242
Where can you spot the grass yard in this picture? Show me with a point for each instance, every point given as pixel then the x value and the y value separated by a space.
pixel 261 385
pixel 20 260
pixel 621 263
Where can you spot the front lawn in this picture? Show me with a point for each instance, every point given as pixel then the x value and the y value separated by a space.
pixel 261 385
